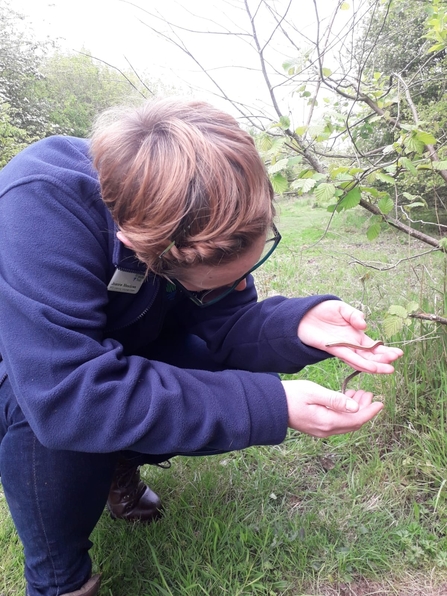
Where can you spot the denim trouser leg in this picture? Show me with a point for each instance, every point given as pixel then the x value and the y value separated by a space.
pixel 55 499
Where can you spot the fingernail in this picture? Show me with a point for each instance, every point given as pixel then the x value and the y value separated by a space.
pixel 351 405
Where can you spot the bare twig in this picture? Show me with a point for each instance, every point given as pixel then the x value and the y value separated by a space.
pixel 428 317
pixel 123 74
pixel 369 265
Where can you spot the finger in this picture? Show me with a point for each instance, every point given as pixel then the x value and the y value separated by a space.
pixel 386 353
pixel 352 422
pixel 364 361
pixel 363 398
pixel 334 401
pixel 353 316
pixel 359 395
pixel 342 423
pixel 381 353
pixel 369 412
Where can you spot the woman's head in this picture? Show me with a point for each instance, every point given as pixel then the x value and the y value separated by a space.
pixel 182 172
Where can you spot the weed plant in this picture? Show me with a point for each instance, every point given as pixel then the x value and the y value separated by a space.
pixel 363 513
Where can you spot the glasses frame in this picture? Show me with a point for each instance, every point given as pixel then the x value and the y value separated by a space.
pixel 197 297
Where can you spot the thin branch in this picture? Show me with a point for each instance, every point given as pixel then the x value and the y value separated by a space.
pixel 195 31
pixel 278 25
pixel 420 221
pixel 408 98
pixel 356 261
pixel 428 317
pixel 138 76
pixel 115 68
pixel 401 226
pixel 181 45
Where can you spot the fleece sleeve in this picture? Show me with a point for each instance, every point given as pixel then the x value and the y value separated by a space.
pixel 256 336
pixel 77 387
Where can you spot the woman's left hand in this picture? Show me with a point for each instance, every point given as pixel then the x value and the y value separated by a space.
pixel 333 321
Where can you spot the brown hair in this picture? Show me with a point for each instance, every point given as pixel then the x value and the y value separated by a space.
pixel 181 171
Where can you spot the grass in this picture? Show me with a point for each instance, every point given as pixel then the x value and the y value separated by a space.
pixel 358 514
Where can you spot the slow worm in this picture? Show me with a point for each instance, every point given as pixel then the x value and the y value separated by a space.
pixel 345 344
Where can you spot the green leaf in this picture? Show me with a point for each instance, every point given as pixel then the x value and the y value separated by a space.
pixel 301 130
pixel 351 199
pixel 440 165
pixel 436 48
pixel 326 72
pixel 279 183
pixel 408 127
pixel 265 142
pixel 373 231
pixel 425 137
pixel 303 184
pixel 370 190
pixel 284 122
pixel 414 145
pixel 315 131
pixel 385 178
pixel 415 205
pixel 443 243
pixel 325 191
pixel 409 196
pixel 344 6
pixel 391 326
pixel 385 205
pixel 277 146
pixel 391 169
pixel 344 177
pixel 408 164
pixel 412 307
pixel 288 64
pixel 398 311
pixel 278 166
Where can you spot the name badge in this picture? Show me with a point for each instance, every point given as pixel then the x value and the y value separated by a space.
pixel 126 282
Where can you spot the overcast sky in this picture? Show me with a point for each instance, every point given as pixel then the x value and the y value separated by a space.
pixel 112 31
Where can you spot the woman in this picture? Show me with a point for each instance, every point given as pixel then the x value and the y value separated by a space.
pixel 130 330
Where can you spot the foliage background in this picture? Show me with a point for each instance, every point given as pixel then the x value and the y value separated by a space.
pixel 353 135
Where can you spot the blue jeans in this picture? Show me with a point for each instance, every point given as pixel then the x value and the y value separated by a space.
pixel 57 497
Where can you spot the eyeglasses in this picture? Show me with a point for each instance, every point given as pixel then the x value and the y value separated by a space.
pixel 209 297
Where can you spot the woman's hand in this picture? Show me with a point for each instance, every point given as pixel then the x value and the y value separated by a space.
pixel 333 321
pixel 320 412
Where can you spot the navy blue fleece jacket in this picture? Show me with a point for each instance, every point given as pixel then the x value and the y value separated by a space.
pixel 72 349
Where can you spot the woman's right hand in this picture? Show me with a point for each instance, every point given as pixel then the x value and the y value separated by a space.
pixel 321 412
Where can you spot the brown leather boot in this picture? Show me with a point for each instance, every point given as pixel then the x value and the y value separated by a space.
pixel 91 588
pixel 129 498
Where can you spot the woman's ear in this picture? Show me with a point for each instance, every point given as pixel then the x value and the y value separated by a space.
pixel 123 238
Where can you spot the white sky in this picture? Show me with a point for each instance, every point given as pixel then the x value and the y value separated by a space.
pixel 111 30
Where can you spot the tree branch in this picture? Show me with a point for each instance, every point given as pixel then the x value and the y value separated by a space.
pixel 401 226
pixel 428 317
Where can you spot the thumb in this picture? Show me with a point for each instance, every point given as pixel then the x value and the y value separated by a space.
pixel 333 400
